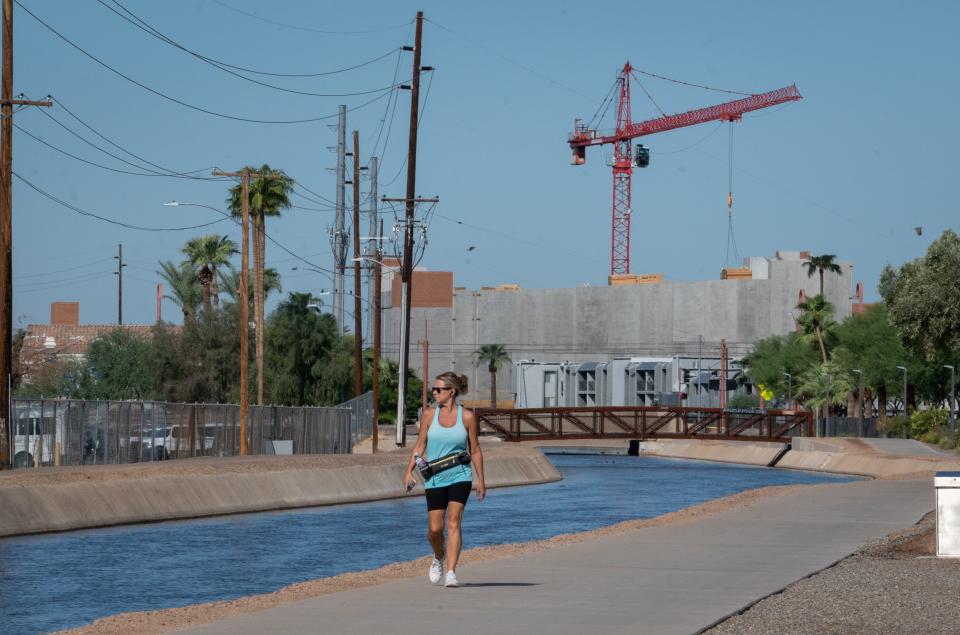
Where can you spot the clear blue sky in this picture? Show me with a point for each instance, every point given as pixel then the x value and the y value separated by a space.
pixel 850 170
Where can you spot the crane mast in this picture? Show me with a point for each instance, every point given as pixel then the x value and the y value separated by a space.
pixel 623 159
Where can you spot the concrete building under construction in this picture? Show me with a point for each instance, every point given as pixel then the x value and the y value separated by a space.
pixel 646 318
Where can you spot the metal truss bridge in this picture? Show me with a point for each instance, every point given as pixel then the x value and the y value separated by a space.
pixel 644 422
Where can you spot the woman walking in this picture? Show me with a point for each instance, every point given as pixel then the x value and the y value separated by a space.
pixel 447 429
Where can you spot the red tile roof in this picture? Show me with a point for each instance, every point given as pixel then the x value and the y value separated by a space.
pixel 45 341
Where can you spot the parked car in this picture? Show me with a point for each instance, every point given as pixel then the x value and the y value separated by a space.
pixel 163 442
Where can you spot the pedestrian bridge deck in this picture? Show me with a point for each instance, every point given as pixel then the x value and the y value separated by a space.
pixel 645 422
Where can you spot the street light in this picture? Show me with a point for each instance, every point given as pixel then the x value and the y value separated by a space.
pixel 904 369
pixel 859 373
pixel 826 406
pixel 953 401
pixel 789 389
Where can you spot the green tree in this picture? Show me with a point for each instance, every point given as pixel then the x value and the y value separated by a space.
pixel 821 264
pixel 824 385
pixel 118 364
pixel 298 343
pixel 208 253
pixel 816 319
pixel 230 283
pixel 185 288
pixel 869 342
pixel 776 355
pixel 494 355
pixel 923 299
pixel 269 193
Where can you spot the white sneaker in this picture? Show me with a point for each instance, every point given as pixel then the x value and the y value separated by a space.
pixel 436 571
pixel 451 579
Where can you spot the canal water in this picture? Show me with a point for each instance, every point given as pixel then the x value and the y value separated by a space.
pixel 58 581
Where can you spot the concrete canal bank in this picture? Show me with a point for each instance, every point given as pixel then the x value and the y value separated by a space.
pixel 60 499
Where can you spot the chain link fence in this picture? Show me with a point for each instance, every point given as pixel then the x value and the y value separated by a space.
pixel 50 432
pixel 361 416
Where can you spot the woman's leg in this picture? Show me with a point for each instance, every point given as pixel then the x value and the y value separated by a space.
pixel 435 532
pixel 454 514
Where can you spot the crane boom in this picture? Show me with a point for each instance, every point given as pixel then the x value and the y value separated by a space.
pixel 622 164
pixel 729 111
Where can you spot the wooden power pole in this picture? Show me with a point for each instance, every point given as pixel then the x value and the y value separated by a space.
pixel 406 267
pixel 120 267
pixel 7 102
pixel 357 313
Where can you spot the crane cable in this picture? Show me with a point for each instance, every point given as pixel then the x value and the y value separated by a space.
pixel 731 239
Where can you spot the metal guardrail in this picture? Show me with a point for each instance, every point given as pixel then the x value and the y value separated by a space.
pixel 645 422
pixel 48 432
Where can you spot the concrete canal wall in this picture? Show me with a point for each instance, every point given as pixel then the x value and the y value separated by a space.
pixel 60 499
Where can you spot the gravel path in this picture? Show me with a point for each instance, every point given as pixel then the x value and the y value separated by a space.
pixel 893 586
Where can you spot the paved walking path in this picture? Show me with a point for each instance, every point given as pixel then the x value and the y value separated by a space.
pixel 675 578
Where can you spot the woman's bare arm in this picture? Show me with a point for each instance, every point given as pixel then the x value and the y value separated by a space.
pixel 476 456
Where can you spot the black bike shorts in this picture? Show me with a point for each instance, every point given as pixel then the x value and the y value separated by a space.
pixel 438 497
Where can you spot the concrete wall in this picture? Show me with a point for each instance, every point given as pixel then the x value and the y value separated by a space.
pixel 136 496
pixel 596 323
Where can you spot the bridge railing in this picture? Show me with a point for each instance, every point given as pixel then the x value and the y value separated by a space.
pixel 644 422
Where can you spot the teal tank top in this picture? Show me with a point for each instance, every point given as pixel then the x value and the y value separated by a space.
pixel 441 441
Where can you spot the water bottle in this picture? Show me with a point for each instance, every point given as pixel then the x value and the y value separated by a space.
pixel 423 466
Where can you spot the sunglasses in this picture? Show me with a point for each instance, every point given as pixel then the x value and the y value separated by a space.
pixel 437 389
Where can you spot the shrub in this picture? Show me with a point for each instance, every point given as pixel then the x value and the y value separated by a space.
pixel 744 401
pixel 925 422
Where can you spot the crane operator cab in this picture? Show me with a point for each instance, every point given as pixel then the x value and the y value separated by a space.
pixel 642 157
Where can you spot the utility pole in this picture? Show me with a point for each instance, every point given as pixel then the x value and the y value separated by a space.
pixel 6 228
pixel 374 425
pixel 357 324
pixel 339 233
pixel 120 266
pixel 372 242
pixel 426 366
pixel 406 269
pixel 244 305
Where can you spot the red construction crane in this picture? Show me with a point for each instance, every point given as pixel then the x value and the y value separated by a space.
pixel 623 158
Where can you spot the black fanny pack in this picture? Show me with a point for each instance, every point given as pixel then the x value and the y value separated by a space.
pixel 444 463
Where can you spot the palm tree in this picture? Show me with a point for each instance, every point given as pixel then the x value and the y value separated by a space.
pixel 821 264
pixel 824 385
pixel 815 320
pixel 494 355
pixel 208 252
pixel 182 282
pixel 230 283
pixel 269 193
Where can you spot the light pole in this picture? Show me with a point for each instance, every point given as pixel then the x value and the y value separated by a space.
pixel 789 389
pixel 826 405
pixel 953 401
pixel 904 369
pixel 859 373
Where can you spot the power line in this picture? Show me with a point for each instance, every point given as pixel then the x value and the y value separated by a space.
pixel 157 34
pixel 83 212
pixel 189 173
pixel 297 27
pixel 72 268
pixel 183 103
pixel 532 71
pixel 423 109
pixel 88 162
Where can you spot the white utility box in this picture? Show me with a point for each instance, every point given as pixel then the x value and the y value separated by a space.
pixel 947 485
